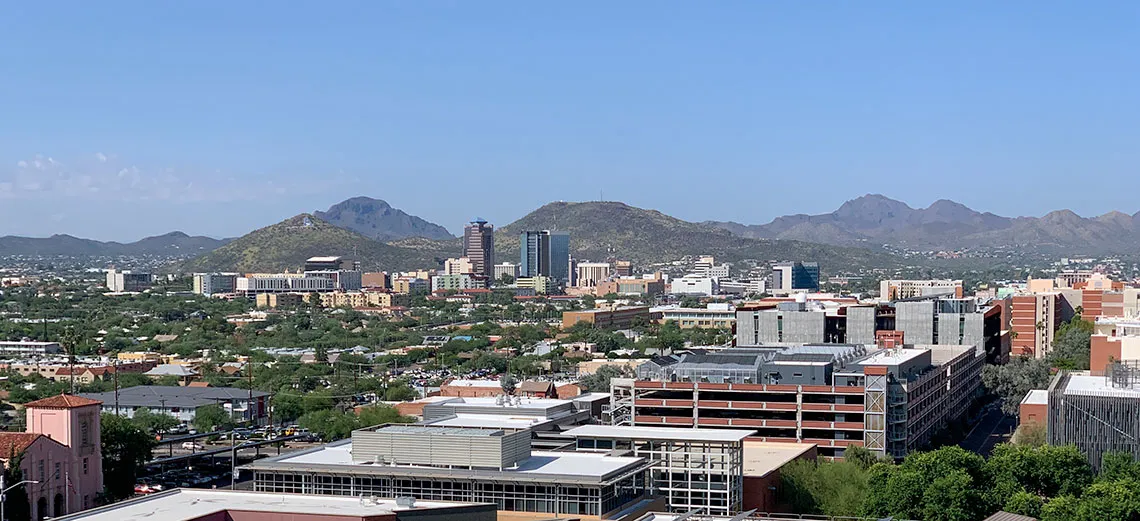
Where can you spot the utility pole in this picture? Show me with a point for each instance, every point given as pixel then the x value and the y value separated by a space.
pixel 249 404
pixel 115 376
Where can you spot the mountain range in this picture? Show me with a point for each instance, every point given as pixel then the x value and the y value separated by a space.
pixel 170 244
pixel 875 220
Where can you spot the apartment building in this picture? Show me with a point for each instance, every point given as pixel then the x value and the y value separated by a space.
pixel 506 268
pixel 408 285
pixel 183 403
pixel 1097 414
pixel 23 348
pixel 905 289
pixel 280 300
pixel 214 283
pixel 374 280
pixel 707 267
pixel 127 281
pixel 455 282
pixel 1033 322
pixel 538 285
pixel 363 299
pixel 459 266
pixel 891 401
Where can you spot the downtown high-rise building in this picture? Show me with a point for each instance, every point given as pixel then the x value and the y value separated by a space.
pixel 479 248
pixel 545 254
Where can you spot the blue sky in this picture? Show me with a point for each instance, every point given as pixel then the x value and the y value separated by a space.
pixel 124 119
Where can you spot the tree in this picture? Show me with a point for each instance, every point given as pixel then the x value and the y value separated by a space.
pixel 1117 466
pixel 953 497
pixel 154 422
pixel 17 506
pixel 209 418
pixel 1014 380
pixel 1031 434
pixel 126 449
pixel 400 392
pixel 829 488
pixel 1071 346
pixel 317 401
pixel 599 382
pixel 1024 503
pixel 506 279
pixel 860 456
pixel 508 383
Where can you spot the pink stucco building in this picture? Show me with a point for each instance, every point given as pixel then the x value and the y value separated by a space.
pixel 60 449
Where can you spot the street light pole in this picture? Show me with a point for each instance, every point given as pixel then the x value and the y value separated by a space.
pixel 4 492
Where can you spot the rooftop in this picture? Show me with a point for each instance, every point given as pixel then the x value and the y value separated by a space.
pixel 659 433
pixel 1082 384
pixel 173 396
pixel 323 259
pixel 188 504
pixel 63 401
pixel 762 458
pixel 491 421
pixel 1036 397
pixel 893 356
pixel 541 466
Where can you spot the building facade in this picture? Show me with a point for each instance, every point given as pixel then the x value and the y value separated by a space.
pixel 1098 414
pixel 127 281
pixel 545 253
pixel 479 248
pixel 890 401
pixel 905 289
pixel 1033 323
pixel 590 274
pixel 215 283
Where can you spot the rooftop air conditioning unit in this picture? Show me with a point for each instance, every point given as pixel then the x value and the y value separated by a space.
pixel 406 501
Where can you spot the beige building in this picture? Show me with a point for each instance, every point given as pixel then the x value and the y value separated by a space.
pixel 1041 285
pixel 540 285
pixel 363 299
pixel 589 274
pixel 280 300
pixel 459 266
pixel 904 289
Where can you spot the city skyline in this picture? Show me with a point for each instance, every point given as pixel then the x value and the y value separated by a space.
pixel 221 135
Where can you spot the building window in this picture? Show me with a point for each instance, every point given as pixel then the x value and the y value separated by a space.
pixel 85 430
pixel 57 470
pixel 84 466
pixel 41 469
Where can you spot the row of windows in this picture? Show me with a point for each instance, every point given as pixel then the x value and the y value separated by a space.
pixel 508 496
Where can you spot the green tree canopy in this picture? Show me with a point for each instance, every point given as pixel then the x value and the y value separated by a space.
pixel 1014 380
pixel 209 418
pixel 126 448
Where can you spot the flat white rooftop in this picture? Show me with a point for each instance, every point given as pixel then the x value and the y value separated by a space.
pixel 762 458
pixel 485 401
pixel 659 433
pixel 893 356
pixel 1086 385
pixel 491 421
pixel 1036 397
pixel 183 504
pixel 585 464
pixel 474 383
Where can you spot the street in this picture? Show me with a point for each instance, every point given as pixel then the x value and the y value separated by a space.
pixel 994 428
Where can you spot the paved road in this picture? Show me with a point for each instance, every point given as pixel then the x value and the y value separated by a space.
pixel 994 428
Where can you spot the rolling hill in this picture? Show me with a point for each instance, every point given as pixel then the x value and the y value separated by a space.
pixel 875 220
pixel 286 245
pixel 170 244
pixel 602 230
pixel 378 220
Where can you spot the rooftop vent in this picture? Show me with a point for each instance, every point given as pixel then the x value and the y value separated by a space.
pixel 406 501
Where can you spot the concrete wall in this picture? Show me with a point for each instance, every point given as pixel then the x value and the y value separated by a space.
pixel 430 447
pixel 916 320
pixel 860 325
pixel 803 326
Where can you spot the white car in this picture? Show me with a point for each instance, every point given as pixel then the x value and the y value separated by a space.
pixel 191 446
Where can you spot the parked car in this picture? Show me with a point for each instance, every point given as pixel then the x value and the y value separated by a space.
pixel 192 446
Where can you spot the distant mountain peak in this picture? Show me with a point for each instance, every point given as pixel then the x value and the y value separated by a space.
pixel 376 219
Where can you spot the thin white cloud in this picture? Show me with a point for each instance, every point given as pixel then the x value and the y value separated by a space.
pixel 103 176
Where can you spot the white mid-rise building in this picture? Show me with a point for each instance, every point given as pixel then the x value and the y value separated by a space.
pixel 589 274
pixel 694 285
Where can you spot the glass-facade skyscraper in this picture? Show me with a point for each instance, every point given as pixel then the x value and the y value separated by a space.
pixel 545 254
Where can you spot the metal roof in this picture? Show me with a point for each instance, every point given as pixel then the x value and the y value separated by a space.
pixel 172 396
pixel 659 433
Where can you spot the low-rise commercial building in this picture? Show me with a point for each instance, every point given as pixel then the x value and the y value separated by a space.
pixel 409 285
pixel 480 465
pixel 540 285
pixel 713 316
pixel 363 299
pixel 281 300
pixel 183 402
pixel 646 285
pixel 694 285
pixel 21 348
pixel 608 317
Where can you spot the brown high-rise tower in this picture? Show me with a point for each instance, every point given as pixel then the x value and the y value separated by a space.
pixel 479 248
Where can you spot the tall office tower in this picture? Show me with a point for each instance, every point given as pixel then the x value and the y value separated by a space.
pixel 545 254
pixel 479 248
